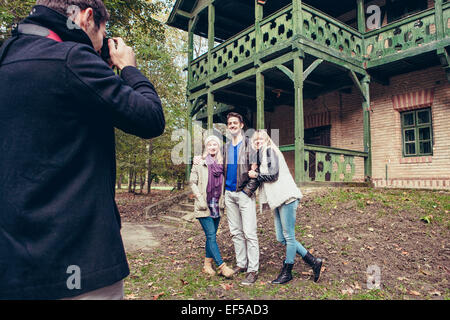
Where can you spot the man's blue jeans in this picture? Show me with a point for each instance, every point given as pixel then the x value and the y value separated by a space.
pixel 210 227
pixel 285 230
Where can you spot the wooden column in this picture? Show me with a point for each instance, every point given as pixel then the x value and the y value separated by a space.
pixel 260 96
pixel 210 106
pixel 211 37
pixel 189 134
pixel 299 121
pixel 439 16
pixel 361 16
pixel 299 127
pixel 297 16
pixel 190 49
pixel 260 85
pixel 365 83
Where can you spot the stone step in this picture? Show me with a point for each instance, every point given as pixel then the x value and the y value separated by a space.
pixel 170 218
pixel 186 206
pixel 178 213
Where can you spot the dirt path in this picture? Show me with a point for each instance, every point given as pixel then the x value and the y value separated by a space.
pixel 143 237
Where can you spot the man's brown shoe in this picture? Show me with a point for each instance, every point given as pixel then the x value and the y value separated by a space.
pixel 250 279
pixel 237 270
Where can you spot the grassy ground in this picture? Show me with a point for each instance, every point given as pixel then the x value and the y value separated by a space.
pixel 403 233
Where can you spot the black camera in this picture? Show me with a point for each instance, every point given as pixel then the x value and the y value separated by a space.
pixel 104 51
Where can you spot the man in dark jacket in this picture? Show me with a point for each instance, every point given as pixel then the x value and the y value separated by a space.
pixel 59 104
pixel 240 202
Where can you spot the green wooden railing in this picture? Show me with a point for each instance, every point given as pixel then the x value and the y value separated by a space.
pixel 277 33
pixel 326 164
pixel 331 33
pixel 415 32
pixel 409 36
pixel 447 18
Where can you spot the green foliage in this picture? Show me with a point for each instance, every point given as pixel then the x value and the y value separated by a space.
pixel 160 56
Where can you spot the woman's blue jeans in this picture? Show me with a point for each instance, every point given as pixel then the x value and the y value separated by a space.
pixel 285 230
pixel 210 227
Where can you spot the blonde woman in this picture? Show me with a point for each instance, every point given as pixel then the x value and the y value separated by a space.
pixel 207 183
pixel 279 190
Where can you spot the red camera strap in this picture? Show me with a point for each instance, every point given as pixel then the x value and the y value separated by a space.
pixel 52 35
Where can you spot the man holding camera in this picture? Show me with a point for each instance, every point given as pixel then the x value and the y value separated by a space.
pixel 59 103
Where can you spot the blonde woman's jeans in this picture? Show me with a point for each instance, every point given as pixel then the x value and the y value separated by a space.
pixel 285 230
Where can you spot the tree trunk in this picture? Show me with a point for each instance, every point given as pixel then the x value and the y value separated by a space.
pixel 119 182
pixel 149 167
pixel 142 180
pixel 130 180
pixel 134 182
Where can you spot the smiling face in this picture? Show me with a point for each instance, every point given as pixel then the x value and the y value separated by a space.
pixel 212 148
pixel 260 140
pixel 234 126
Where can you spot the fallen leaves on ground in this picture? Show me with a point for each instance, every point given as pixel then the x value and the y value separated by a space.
pixel 157 296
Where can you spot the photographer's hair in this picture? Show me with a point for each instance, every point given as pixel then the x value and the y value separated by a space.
pixel 101 15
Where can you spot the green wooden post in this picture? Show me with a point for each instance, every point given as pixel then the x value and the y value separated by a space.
pixel 189 134
pixel 365 83
pixel 190 50
pixel 361 16
pixel 299 121
pixel 210 109
pixel 259 14
pixel 439 16
pixel 211 36
pixel 260 85
pixel 298 16
pixel 260 96
pixel 211 33
pixel 298 88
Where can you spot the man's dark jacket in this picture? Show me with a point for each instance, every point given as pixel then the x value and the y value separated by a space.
pixel 245 156
pixel 59 104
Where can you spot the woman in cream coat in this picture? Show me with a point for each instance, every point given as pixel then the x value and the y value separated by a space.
pixel 207 183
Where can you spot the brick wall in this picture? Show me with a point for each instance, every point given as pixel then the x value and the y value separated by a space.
pixel 415 172
pixel 347 130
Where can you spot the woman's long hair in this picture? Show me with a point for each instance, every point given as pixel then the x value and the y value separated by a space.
pixel 219 155
pixel 268 144
pixel 268 141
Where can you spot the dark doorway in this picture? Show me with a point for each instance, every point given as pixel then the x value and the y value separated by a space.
pixel 319 136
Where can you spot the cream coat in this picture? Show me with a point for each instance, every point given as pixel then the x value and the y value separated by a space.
pixel 283 189
pixel 199 183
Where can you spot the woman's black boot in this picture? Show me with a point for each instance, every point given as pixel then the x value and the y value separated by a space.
pixel 315 264
pixel 285 274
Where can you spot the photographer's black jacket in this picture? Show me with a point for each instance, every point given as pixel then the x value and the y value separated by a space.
pixel 59 104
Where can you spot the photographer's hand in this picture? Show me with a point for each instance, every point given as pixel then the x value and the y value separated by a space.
pixel 121 54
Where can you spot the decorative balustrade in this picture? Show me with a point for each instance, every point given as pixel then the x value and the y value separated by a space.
pixel 405 34
pixel 277 30
pixel 324 33
pixel 326 164
pixel 412 32
pixel 331 33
